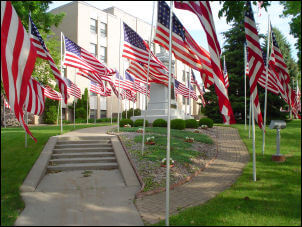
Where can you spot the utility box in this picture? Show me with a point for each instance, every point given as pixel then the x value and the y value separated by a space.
pixel 278 125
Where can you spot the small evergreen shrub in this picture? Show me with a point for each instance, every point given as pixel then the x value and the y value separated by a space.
pixel 191 123
pixel 66 122
pixel 140 122
pixel 178 124
pixel 50 116
pixel 126 121
pixel 206 121
pixel 159 123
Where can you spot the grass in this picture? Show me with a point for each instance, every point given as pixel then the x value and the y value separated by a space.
pixel 273 200
pixel 16 162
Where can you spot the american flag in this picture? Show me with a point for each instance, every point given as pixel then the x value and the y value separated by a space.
pixel 278 65
pixel 52 94
pixel 43 53
pixel 192 93
pixel 201 92
pixel 203 11
pixel 77 57
pixel 129 81
pixel 121 83
pixel 136 49
pixel 273 82
pixel 73 89
pixel 18 57
pixel 295 103
pixel 97 88
pixel 129 95
pixel 184 47
pixel 95 77
pixel 225 73
pixel 255 60
pixel 181 89
pixel 6 104
pixel 35 98
pixel 141 89
pixel 108 91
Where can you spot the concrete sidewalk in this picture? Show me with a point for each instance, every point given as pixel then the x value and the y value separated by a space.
pixel 71 198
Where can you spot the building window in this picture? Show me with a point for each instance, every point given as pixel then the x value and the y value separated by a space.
pixel 103 29
pixel 93 49
pixel 183 76
pixel 103 54
pixel 92 25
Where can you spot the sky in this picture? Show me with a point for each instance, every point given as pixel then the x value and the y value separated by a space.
pixel 143 10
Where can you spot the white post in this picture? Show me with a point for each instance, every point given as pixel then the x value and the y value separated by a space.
pixel 169 122
pixel 26 121
pixel 74 99
pixel 118 117
pixel 250 116
pixel 4 121
pixel 147 86
pixel 133 108
pixel 88 96
pixel 58 113
pixel 254 147
pixel 189 94
pixel 266 79
pixel 244 87
pixel 61 72
pixel 111 107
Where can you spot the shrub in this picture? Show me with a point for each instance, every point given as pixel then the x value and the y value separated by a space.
pixel 50 116
pixel 81 113
pixel 159 123
pixel 191 123
pixel 140 122
pixel 67 122
pixel 178 124
pixel 125 121
pixel 206 121
pixel 80 120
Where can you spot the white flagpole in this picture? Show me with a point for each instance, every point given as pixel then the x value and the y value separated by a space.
pixel 61 72
pixel 26 121
pixel 58 113
pixel 133 106
pixel 147 86
pixel 88 96
pixel 189 94
pixel 4 121
pixel 254 147
pixel 244 87
pixel 169 122
pixel 250 116
pixel 111 107
pixel 118 117
pixel 266 79
pixel 74 99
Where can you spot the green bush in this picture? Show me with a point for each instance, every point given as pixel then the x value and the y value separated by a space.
pixel 206 121
pixel 50 116
pixel 178 124
pixel 137 112
pixel 67 122
pixel 126 121
pixel 80 120
pixel 81 113
pixel 191 123
pixel 159 123
pixel 140 122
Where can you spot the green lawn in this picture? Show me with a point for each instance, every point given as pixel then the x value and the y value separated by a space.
pixel 273 200
pixel 16 162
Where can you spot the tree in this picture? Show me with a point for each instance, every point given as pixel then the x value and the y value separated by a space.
pixel 293 8
pixel 42 19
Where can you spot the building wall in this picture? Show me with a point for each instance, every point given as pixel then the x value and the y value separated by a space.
pixel 76 26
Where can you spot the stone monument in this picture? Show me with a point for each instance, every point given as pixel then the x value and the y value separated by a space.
pixel 158 104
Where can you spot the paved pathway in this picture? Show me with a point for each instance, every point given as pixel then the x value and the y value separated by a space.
pixel 69 198
pixel 220 175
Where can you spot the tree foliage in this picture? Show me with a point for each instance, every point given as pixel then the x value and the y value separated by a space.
pixel 293 8
pixel 42 19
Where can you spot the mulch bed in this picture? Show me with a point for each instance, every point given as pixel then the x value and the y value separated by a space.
pixel 153 175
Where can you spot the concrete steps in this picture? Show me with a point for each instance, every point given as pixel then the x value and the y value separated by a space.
pixel 82 153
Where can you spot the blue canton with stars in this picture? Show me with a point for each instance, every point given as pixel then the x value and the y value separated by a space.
pixel 133 38
pixel 249 12
pixel 72 47
pixel 128 77
pixel 274 38
pixel 118 76
pixel 68 82
pixel 264 57
pixel 34 31
pixel 164 18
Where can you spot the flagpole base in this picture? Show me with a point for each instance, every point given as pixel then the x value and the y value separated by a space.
pixel 278 158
